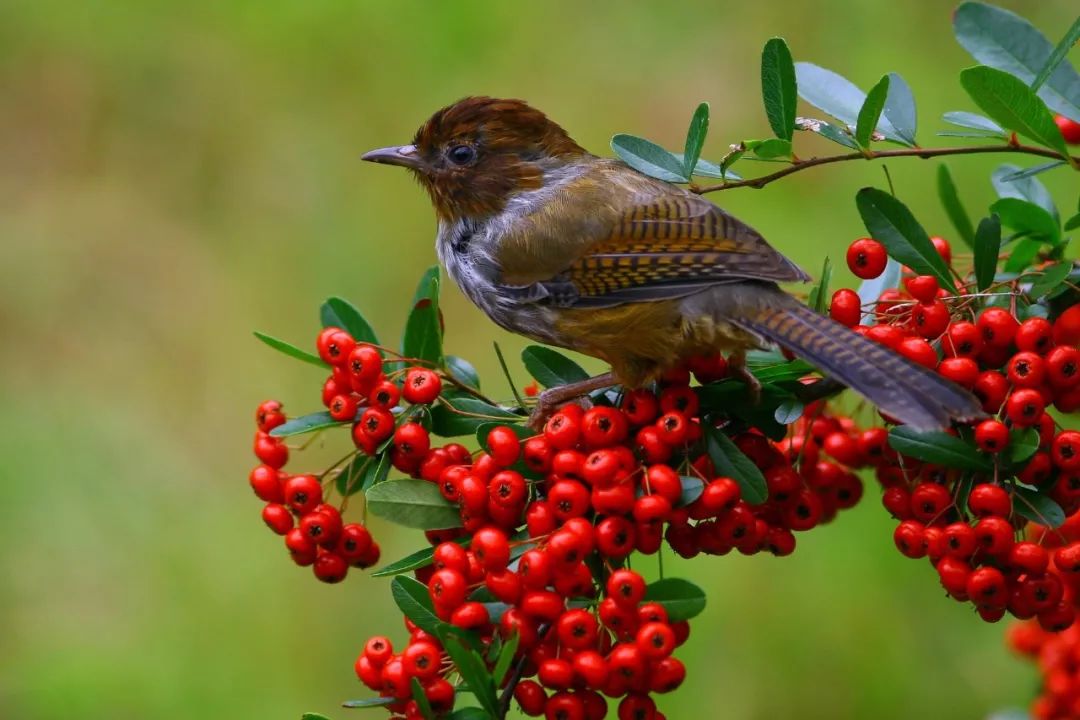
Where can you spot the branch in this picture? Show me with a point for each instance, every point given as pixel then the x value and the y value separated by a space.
pixel 924 153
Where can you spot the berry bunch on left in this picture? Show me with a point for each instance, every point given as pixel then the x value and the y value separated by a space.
pixel 314 532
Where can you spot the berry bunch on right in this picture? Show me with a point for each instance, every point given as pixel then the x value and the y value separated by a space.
pixel 963 498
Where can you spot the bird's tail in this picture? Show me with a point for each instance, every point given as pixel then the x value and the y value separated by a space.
pixel 902 389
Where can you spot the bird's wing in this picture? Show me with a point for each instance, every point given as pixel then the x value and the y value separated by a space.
pixel 656 247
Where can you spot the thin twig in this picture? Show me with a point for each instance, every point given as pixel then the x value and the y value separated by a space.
pixel 924 153
pixel 506 373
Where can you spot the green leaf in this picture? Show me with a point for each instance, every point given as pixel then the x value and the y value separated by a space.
pixel 778 89
pixel 415 561
pixel 1051 279
pixel 422 339
pixel 1022 255
pixel 900 109
pixel 1009 181
pixel 305 424
pixel 1033 170
pixel 313 716
pixel 462 415
pixel 730 461
pixel 788 411
pixel 1008 42
pixel 681 598
pixel 769 149
pixel 1027 217
pixel 473 671
pixel 1073 222
pixel 1037 507
pixel 336 312
pixel 412 598
pixel 820 292
pixel 1057 57
pixel 870 112
pixel 695 138
pixel 826 130
pixel 1023 443
pixel 692 488
pixel 837 96
pixel 362 473
pixel 375 702
pixel 413 503
pixel 648 158
pixel 987 247
pixel 890 222
pixel 950 199
pixel 420 697
pixel 551 368
pixel 870 290
pixel 291 350
pixel 975 122
pixel 463 370
pixel 505 659
pixel 708 169
pixel 939 448
pixel 1012 104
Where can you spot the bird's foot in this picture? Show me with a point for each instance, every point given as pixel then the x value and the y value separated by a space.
pixel 737 367
pixel 551 399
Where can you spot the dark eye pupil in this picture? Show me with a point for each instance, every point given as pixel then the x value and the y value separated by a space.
pixel 461 154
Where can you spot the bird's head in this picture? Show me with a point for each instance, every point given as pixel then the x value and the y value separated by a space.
pixel 474 155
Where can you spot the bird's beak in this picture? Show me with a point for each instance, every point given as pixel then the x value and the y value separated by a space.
pixel 403 155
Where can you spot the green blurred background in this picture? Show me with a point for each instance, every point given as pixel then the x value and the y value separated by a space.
pixel 174 175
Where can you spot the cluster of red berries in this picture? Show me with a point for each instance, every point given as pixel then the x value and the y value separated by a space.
pixel 1017 369
pixel 315 534
pixel 1056 654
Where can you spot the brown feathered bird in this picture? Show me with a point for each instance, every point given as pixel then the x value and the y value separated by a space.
pixel 585 253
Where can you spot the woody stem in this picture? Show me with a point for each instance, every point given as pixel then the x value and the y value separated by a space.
pixel 799 165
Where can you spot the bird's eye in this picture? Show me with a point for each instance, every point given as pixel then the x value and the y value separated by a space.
pixel 461 154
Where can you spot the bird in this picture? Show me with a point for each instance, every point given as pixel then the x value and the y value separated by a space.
pixel 586 253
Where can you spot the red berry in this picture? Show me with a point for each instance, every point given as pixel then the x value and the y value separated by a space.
pixel 330 567
pixel 929 500
pixel 1070 129
pixel 910 539
pixel 577 629
pixel 266 482
pixel 421 660
pixel 271 450
pixel 491 548
pixel 603 427
pixel 1065 450
pixel 385 395
pixel 640 406
pixel 1067 327
pixel 655 640
pixel 1025 407
pixel 412 441
pixel 303 493
pixel 421 386
pixel 343 407
pixel 1063 367
pixel 354 542
pixel 504 445
pixel 923 288
pixel 531 697
pixel 991 436
pixel 1035 335
pixel 375 424
pixel 447 588
pixel 364 366
pixel 626 588
pixel 866 258
pixel 943 248
pixel 471 616
pixel 846 307
pixel 563 429
pixel 1026 369
pixel 334 345
pixel 269 415
pixel 986 499
pixel 918 351
pixel 962 339
pixel 378 650
pixel 990 388
pixel 322 526
pixel 998 327
pixel 961 370
pixel 278 518
pixel 930 319
pixel 986 586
